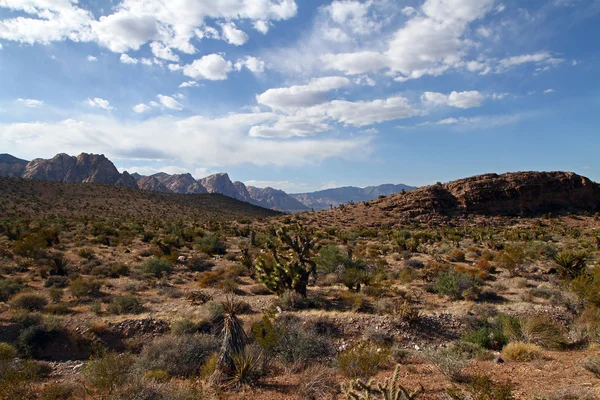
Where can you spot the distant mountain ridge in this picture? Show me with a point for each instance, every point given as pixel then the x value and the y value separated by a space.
pixel 96 168
pixel 327 198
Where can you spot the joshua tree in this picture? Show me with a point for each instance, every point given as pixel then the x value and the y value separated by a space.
pixel 292 261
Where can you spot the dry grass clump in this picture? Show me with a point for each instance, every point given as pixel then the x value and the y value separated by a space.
pixel 520 351
pixel 318 382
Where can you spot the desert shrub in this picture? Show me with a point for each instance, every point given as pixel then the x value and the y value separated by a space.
pixel 156 375
pixel 7 352
pixel 56 281
pixel 156 267
pixel 454 284
pixel 9 287
pixel 86 253
pixel 488 337
pixel 400 309
pixel 457 255
pixel 211 244
pixel 291 300
pixel 451 361
pixel 356 302
pixel 58 309
pixel 82 287
pixel 58 391
pixel 248 367
pixel 413 264
pixel 127 304
pixel 592 364
pixel 178 355
pixel 570 263
pixel 200 263
pixel 318 382
pixel 109 371
pixel 587 287
pixel 482 387
pixel 363 360
pixel 29 301
pixel 542 331
pixel 18 378
pixel 31 246
pixel 520 351
pixel 290 340
pixel 184 327
pixel 330 258
pixel 512 258
pixel 588 325
pixel 39 332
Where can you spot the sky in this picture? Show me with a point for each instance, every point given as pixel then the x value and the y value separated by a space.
pixel 303 95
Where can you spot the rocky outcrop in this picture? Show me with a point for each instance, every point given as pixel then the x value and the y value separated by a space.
pixel 511 194
pixel 181 183
pixel 276 199
pixel 242 192
pixel 151 184
pixel 86 168
pixel 11 166
pixel 323 199
pixel 220 183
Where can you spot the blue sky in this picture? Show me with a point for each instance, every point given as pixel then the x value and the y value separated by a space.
pixel 304 95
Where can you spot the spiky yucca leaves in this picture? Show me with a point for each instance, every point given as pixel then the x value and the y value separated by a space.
pixel 233 340
pixel 390 389
pixel 292 261
pixel 571 264
pixel 246 369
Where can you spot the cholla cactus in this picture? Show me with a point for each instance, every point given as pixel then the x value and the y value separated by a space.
pixel 390 389
pixel 292 263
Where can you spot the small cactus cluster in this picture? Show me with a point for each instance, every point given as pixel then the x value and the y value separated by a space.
pixel 390 389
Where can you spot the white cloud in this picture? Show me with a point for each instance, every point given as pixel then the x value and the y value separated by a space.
pixel 468 99
pixel 336 35
pixel 141 108
pixel 163 52
pixel 97 102
pixel 479 122
pixel 135 22
pixel 212 67
pixel 189 84
pixel 547 91
pixel 169 102
pixel 254 64
pixel 209 142
pixel 262 26
pixel 233 35
pixel 356 63
pixel 363 113
pixel 92 58
pixel 291 126
pixel 31 103
pixel 315 92
pixel 175 67
pixel 125 59
pixel 354 15
pixel 428 44
pixel 541 58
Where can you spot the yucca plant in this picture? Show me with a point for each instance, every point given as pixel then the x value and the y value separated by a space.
pixel 233 340
pixel 245 370
pixel 571 263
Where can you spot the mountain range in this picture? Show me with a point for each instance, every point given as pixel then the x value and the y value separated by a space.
pixel 96 168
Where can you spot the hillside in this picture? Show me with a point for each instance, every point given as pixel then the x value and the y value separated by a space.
pixel 324 199
pixel 31 199
pixel 510 194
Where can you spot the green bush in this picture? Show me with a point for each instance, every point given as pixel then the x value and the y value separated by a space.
pixel 330 258
pixel 81 287
pixel 181 355
pixel 59 391
pixel 109 371
pixel 7 352
pixel 29 301
pixel 544 332
pixel 454 284
pixel 127 304
pixel 363 360
pixel 9 287
pixel 156 267
pixel 211 244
